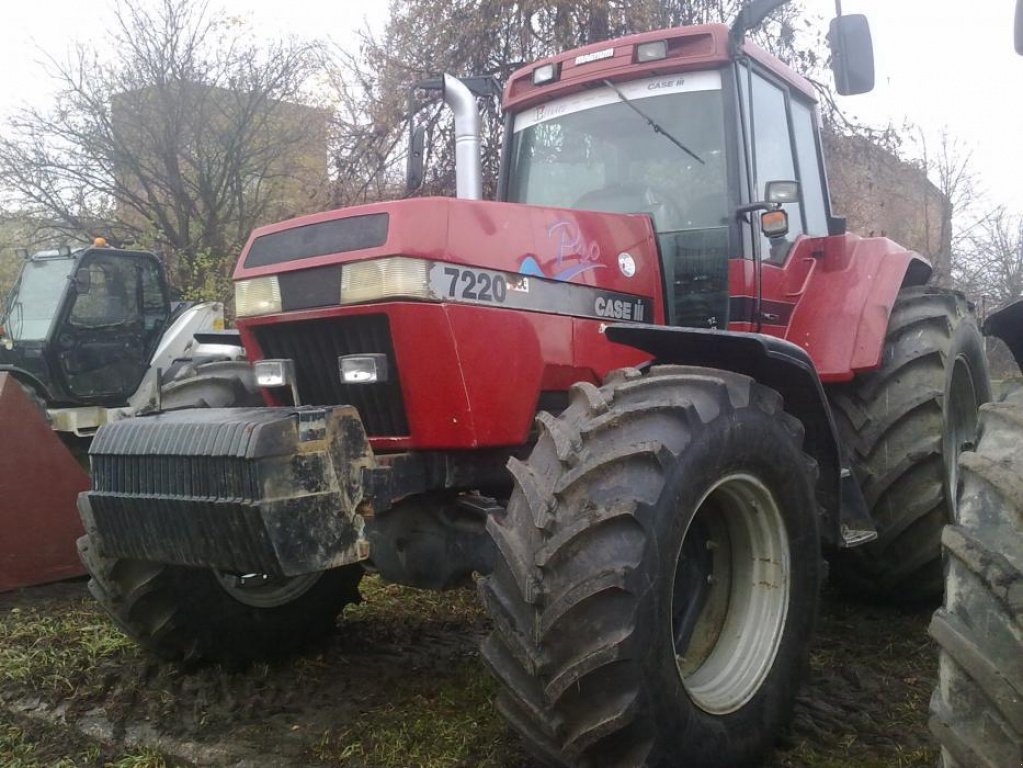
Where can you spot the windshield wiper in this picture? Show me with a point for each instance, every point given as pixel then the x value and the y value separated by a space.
pixel 653 123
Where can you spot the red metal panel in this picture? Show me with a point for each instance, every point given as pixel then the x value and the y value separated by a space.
pixel 470 374
pixel 843 288
pixel 576 246
pixel 39 483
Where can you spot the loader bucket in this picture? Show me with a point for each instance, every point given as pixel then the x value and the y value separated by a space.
pixel 39 483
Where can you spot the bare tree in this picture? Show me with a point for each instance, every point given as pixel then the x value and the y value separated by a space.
pixel 176 133
pixel 950 168
pixel 989 259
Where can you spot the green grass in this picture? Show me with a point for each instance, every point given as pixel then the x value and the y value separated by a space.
pixel 46 650
pixel 432 723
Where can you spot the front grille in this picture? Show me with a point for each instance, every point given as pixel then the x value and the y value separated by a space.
pixel 315 346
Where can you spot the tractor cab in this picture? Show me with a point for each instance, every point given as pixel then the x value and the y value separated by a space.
pixel 689 126
pixel 79 327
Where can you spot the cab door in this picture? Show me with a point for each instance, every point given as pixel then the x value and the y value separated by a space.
pixel 782 142
pixel 111 326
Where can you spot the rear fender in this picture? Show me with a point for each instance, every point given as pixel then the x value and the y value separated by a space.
pixel 845 301
pixel 777 364
pixel 1007 324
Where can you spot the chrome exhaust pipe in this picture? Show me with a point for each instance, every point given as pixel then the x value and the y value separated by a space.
pixel 468 166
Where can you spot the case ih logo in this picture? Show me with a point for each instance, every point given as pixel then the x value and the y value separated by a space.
pixel 586 58
pixel 573 254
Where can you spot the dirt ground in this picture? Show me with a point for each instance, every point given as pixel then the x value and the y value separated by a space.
pixel 400 684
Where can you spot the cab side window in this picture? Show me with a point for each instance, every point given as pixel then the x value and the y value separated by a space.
pixel 154 301
pixel 771 152
pixel 811 181
pixel 112 295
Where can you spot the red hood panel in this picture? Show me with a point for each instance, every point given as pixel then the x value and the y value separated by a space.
pixel 563 244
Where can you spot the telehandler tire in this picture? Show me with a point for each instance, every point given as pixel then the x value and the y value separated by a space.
pixel 656 583
pixel 193 614
pixel 977 708
pixel 904 426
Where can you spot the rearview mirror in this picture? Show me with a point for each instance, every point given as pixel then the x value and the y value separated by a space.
pixel 774 223
pixel 852 54
pixel 83 281
pixel 414 168
pixel 781 192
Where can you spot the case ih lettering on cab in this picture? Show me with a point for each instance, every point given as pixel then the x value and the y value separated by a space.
pixel 642 392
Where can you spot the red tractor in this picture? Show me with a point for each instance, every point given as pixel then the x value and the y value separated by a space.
pixel 642 393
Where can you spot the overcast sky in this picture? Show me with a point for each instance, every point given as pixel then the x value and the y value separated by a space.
pixel 940 63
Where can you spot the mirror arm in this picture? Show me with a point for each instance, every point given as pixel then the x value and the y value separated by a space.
pixel 763 205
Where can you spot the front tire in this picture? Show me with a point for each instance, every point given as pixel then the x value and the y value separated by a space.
pixel 657 574
pixel 192 614
pixel 977 708
pixel 905 425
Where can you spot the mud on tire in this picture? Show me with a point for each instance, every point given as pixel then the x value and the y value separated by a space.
pixel 194 614
pixel 977 708
pixel 905 425
pixel 610 642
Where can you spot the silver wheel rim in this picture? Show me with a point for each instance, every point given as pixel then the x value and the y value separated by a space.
pixel 961 424
pixel 730 647
pixel 261 591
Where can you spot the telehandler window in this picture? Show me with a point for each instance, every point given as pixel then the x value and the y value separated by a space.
pixel 35 299
pixel 112 298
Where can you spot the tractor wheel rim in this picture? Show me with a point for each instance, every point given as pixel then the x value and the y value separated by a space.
pixel 263 591
pixel 961 423
pixel 728 652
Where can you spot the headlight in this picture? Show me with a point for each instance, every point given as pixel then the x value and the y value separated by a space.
pixel 258 296
pixel 393 277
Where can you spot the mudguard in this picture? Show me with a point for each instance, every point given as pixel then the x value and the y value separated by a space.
pixel 844 296
pixel 785 368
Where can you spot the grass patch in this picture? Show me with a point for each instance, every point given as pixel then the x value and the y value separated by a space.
pixel 430 723
pixel 45 650
pixel 383 602
pixel 29 744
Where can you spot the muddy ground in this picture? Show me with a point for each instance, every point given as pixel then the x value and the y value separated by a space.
pixel 400 684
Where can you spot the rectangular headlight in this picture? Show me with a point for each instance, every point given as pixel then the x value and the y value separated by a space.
pixel 257 296
pixel 363 369
pixel 274 373
pixel 652 51
pixel 393 277
pixel 545 73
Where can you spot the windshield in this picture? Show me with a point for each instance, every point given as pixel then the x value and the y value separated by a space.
pixel 654 146
pixel 35 298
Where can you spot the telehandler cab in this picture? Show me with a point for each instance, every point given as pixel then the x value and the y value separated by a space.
pixel 640 392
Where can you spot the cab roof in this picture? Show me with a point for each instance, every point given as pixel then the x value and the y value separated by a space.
pixel 704 46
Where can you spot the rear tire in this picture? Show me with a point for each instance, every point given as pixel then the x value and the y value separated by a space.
pixel 663 528
pixel 904 426
pixel 194 614
pixel 977 708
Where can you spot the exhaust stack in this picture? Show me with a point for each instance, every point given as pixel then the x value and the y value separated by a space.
pixel 468 168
